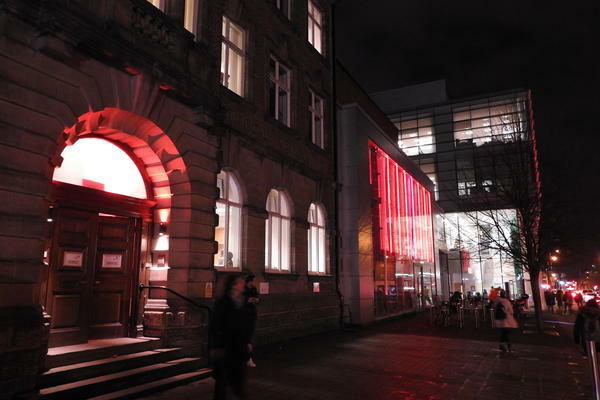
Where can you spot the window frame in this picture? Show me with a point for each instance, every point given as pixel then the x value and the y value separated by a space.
pixel 314 113
pixel 189 7
pixel 312 23
pixel 228 44
pixel 321 237
pixel 228 203
pixel 279 217
pixel 278 4
pixel 274 80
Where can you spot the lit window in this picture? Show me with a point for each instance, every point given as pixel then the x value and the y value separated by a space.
pixel 316 240
pixel 277 233
pixel 466 188
pixel 190 10
pixel 99 164
pixel 284 7
pixel 416 136
pixel 315 27
pixel 315 110
pixel 232 57
pixel 190 16
pixel 279 92
pixel 487 185
pixel 228 233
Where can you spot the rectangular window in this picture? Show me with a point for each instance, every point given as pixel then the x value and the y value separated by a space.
pixel 188 9
pixel 416 136
pixel 315 110
pixel 284 7
pixel 279 92
pixel 315 27
pixel 232 57
pixel 190 16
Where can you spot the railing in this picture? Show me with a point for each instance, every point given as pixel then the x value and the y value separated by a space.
pixel 192 302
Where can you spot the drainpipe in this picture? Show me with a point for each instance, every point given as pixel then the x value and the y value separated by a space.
pixel 335 164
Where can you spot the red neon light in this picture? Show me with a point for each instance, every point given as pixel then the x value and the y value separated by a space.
pixel 404 209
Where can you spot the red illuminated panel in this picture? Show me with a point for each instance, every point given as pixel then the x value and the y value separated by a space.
pixel 404 209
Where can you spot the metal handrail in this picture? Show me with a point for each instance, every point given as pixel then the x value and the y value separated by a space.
pixel 193 302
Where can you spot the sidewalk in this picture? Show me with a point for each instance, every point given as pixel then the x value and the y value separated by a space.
pixel 409 359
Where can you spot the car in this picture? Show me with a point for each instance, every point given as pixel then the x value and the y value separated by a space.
pixel 588 294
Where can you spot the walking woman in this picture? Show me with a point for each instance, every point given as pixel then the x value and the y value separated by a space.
pixel 230 340
pixel 504 319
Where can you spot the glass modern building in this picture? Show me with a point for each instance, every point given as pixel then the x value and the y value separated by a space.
pixel 385 206
pixel 473 150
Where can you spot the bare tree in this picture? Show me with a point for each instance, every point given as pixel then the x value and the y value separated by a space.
pixel 506 207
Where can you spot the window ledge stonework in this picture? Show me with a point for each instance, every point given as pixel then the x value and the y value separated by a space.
pixel 269 273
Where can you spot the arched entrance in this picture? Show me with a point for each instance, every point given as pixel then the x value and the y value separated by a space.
pixel 110 204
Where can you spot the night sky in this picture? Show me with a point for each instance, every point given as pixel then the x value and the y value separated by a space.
pixel 478 46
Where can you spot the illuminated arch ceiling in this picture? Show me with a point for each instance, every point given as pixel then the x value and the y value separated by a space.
pixel 99 164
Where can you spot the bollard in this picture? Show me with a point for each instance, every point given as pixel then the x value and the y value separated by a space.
pixel 460 316
pixel 476 315
pixel 593 357
pixel 492 319
pixel 432 315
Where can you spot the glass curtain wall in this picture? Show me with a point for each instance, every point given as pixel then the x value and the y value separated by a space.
pixel 404 270
pixel 473 243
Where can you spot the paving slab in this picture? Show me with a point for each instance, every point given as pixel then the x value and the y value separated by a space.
pixel 409 359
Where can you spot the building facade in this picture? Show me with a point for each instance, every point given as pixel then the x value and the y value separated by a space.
pixel 478 152
pixel 170 143
pixel 387 260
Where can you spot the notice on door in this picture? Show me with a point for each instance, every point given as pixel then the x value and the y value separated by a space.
pixel 72 258
pixel 111 260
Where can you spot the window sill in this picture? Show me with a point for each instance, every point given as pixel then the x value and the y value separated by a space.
pixel 230 94
pixel 318 275
pixel 282 275
pixel 281 125
pixel 226 269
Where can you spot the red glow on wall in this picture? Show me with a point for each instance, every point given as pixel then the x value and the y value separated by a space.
pixel 404 209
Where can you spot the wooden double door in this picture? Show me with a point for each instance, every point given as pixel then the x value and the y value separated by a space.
pixel 93 273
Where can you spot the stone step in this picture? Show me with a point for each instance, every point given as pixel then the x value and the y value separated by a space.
pixel 156 386
pixel 98 349
pixel 103 384
pixel 89 369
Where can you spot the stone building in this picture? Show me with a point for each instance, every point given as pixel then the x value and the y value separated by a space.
pixel 170 143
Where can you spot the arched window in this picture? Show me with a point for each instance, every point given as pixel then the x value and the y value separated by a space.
pixel 278 232
pixel 228 233
pixel 316 240
pixel 99 164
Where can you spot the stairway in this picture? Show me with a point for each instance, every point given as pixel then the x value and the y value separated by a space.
pixel 120 368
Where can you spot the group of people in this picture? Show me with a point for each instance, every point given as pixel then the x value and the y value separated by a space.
pixel 233 326
pixel 563 300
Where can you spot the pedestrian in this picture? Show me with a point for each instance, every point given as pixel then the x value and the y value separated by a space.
pixel 559 300
pixel 504 319
pixel 550 300
pixel 484 296
pixel 587 326
pixel 567 302
pixel 455 301
pixel 230 327
pixel 579 300
pixel 251 295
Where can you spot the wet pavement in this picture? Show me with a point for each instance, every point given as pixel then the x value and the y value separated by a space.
pixel 410 359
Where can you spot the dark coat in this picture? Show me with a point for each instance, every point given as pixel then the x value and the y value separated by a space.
pixel 586 326
pixel 230 329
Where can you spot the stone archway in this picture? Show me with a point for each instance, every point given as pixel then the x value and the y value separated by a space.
pixel 166 171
